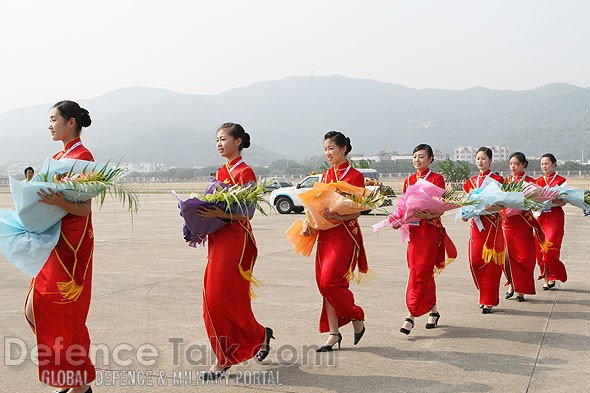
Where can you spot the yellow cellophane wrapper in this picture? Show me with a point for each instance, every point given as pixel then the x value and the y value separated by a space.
pixel 315 201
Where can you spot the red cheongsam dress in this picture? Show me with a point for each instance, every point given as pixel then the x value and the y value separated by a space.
pixel 233 331
pixel 61 298
pixel 339 251
pixel 552 220
pixel 486 247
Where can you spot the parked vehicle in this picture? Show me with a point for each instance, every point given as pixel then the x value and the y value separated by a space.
pixel 286 199
pixel 272 183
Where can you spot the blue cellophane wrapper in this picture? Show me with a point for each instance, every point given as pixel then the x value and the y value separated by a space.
pixel 573 196
pixel 29 233
pixel 487 195
pixel 26 250
pixel 196 228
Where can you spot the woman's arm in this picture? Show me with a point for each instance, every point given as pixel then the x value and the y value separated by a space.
pixel 306 229
pixel 51 197
pixel 426 215
pixel 217 212
pixel 328 215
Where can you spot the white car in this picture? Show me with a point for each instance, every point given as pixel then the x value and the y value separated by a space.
pixel 286 199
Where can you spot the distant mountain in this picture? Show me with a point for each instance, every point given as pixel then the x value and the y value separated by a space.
pixel 288 118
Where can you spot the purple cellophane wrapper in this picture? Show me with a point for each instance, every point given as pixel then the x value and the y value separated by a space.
pixel 196 228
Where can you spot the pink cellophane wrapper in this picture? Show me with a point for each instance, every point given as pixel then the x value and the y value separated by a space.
pixel 420 196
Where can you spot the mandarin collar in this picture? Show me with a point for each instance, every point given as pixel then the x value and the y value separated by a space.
pixel 234 161
pixel 342 166
pixel 422 174
pixel 71 143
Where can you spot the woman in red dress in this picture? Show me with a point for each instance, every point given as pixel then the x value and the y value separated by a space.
pixel 426 248
pixel 233 331
pixel 552 220
pixel 519 232
pixel 339 251
pixel 486 246
pixel 57 304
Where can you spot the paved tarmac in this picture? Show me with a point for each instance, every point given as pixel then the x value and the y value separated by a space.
pixel 147 290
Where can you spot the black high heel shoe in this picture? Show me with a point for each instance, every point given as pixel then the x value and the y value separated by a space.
pixel 359 335
pixel 265 350
pixel 486 310
pixel 548 286
pixel 509 294
pixel 435 324
pixel 520 298
pixel 330 348
pixel 407 331
pixel 210 375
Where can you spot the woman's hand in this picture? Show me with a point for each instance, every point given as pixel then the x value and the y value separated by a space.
pixel 559 202
pixel 426 215
pixel 494 208
pixel 306 229
pixel 329 215
pixel 215 211
pixel 332 216
pixel 207 212
pixel 50 197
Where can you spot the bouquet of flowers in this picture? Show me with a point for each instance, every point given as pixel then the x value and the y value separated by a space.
pixel 535 196
pixel 493 193
pixel 29 233
pixel 422 196
pixel 338 197
pixel 237 199
pixel 574 196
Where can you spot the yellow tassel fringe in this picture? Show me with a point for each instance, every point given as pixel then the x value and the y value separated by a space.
pixel 69 290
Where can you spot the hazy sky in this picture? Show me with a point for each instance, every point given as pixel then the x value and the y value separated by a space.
pixel 51 50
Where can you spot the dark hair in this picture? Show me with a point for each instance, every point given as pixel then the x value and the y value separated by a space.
pixel 29 168
pixel 550 156
pixel 339 139
pixel 424 146
pixel 486 150
pixel 521 157
pixel 238 132
pixel 70 109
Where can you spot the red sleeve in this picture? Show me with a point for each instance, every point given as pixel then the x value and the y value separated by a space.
pixel 246 175
pixel 406 185
pixel 81 153
pixel 437 180
pixel 560 180
pixel 468 186
pixel 356 179
pixel 497 178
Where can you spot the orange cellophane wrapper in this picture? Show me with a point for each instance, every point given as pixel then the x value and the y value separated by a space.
pixel 315 201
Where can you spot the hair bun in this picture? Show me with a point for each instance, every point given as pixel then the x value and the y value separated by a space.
pixel 246 141
pixel 348 145
pixel 85 120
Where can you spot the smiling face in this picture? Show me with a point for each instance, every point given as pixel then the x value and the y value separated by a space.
pixel 482 161
pixel 335 154
pixel 516 166
pixel 547 166
pixel 61 129
pixel 227 145
pixel 421 160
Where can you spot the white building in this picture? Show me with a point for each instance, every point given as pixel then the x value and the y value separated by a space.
pixel 467 153
pixel 144 167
